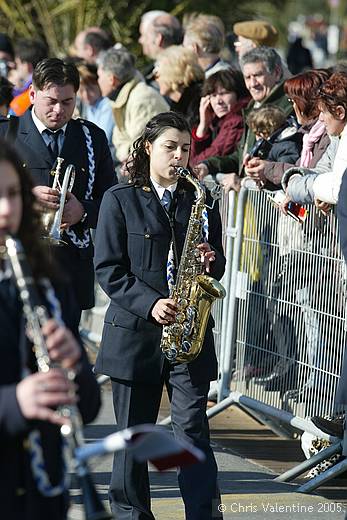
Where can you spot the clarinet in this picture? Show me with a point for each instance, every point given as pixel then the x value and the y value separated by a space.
pixel 36 315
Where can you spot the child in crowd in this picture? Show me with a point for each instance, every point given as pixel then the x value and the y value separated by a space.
pixel 277 137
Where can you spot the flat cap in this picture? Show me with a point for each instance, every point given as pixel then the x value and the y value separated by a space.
pixel 259 31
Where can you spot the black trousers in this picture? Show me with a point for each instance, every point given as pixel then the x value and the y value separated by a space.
pixel 136 403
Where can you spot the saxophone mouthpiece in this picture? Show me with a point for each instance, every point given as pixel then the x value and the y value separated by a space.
pixel 182 172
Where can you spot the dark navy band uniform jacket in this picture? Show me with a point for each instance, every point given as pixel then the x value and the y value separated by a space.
pixel 19 497
pixel 132 242
pixel 30 145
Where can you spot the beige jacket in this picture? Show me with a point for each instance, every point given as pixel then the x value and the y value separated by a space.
pixel 134 106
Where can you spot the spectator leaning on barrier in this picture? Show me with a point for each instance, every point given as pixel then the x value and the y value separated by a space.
pixel 322 184
pixel 262 71
pixel 133 102
pixel 180 78
pixel 254 33
pixel 205 34
pixel 301 91
pixel 220 127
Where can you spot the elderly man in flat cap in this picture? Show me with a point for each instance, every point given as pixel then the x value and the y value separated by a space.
pixel 255 33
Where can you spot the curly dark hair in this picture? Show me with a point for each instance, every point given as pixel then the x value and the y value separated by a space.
pixel 30 229
pixel 138 163
pixel 333 94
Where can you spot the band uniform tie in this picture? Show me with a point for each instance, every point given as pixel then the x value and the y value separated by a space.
pixel 166 200
pixel 53 146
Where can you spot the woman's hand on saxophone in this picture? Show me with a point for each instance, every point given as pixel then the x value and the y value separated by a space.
pixel 207 255
pixel 164 311
pixel 39 394
pixel 61 345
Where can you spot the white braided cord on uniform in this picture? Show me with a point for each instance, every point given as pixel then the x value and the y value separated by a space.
pixel 38 467
pixel 205 224
pixel 84 242
pixel 37 462
pixel 170 269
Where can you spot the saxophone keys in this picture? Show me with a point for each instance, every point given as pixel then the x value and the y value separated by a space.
pixel 176 329
pixel 180 317
pixel 171 353
pixel 186 346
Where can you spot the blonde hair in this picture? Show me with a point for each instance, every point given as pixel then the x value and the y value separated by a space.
pixel 88 74
pixel 179 67
pixel 207 31
pixel 266 120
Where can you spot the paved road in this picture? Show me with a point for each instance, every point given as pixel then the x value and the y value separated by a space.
pixel 248 491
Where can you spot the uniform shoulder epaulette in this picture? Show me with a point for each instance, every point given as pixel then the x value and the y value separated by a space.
pixel 122 186
pixel 87 123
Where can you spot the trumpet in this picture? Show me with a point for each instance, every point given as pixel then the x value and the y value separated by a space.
pixel 52 219
pixel 36 315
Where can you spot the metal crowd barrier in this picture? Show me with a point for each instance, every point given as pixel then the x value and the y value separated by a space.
pixel 283 328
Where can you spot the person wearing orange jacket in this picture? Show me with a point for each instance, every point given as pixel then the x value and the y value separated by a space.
pixel 28 53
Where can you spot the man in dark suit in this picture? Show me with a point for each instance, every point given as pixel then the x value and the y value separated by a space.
pixel 48 131
pixel 137 224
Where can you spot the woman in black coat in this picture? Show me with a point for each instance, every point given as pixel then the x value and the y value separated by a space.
pixel 31 488
pixel 133 240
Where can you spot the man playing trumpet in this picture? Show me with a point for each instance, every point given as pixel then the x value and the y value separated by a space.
pixel 47 132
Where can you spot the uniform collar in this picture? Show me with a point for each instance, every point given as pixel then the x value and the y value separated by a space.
pixel 160 189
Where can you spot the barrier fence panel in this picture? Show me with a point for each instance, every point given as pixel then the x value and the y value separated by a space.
pixel 285 334
pixel 290 334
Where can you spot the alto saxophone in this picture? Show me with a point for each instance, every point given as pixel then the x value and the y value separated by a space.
pixel 36 315
pixel 194 292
